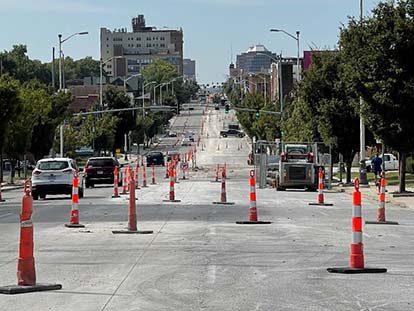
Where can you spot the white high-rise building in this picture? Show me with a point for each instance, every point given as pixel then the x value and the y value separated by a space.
pixel 132 51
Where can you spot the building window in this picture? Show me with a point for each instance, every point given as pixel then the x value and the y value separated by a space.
pixel 138 45
pixel 148 38
pixel 138 38
pixel 162 45
pixel 148 45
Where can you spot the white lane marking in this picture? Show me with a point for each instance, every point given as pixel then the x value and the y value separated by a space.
pixel 5 215
pixel 211 274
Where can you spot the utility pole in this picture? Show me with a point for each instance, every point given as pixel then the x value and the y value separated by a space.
pixel 53 68
pixel 362 169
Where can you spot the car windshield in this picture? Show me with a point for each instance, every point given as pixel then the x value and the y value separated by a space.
pixel 100 162
pixel 53 165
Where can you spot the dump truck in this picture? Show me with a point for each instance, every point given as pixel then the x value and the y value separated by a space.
pixel 297 168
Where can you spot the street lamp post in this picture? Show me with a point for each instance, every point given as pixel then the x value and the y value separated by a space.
pixel 298 47
pixel 143 98
pixel 60 54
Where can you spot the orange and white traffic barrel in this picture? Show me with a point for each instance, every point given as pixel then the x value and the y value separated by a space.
pixel 153 175
pixel 116 193
pixel 356 258
pixel 125 182
pixel 223 194
pixel 144 176
pixel 74 213
pixel 253 207
pixel 381 208
pixel 321 198
pixel 171 194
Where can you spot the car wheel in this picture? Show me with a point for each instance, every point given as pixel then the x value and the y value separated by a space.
pixel 42 195
pixel 224 135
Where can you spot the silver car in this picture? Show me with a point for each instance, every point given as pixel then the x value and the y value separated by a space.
pixel 54 176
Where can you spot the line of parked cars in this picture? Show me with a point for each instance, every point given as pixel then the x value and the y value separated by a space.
pixel 55 175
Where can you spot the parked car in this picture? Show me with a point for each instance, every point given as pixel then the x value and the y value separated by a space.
pixel 156 158
pixel 54 176
pixel 186 142
pixel 172 134
pixel 390 162
pixel 100 170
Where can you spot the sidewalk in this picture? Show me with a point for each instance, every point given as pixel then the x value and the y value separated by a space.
pixel 371 194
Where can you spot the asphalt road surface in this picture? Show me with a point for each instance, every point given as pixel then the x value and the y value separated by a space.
pixel 198 258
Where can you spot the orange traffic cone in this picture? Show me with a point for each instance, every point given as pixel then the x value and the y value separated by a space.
pixel 172 182
pixel 223 196
pixel 356 259
pixel 253 208
pixel 116 194
pixel 74 213
pixel 132 214
pixel 321 199
pixel 381 208
pixel 124 182
pixel 26 274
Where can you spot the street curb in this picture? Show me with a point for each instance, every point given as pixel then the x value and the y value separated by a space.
pixel 9 188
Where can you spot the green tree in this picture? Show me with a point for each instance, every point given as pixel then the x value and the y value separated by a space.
pixel 115 98
pixel 380 68
pixel 98 131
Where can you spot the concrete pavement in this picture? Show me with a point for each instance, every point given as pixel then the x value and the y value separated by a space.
pixel 199 259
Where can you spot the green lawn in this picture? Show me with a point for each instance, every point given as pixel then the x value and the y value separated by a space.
pixel 392 177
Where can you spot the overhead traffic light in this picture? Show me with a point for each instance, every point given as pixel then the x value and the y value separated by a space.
pixel 257 113
pixel 227 108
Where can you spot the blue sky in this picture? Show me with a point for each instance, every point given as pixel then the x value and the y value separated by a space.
pixel 210 27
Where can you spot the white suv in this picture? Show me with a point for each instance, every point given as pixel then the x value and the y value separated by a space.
pixel 54 176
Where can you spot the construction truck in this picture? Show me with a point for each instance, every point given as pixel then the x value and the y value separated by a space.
pixel 297 168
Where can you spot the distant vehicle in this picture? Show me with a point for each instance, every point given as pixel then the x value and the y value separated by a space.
pixel 390 162
pixel 84 152
pixel 156 158
pixel 189 135
pixel 54 176
pixel 175 155
pixel 232 132
pixel 100 170
pixel 172 134
pixel 216 107
pixel 186 142
pixel 296 168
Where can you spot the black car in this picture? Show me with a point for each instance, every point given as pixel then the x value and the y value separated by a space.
pixel 100 170
pixel 156 158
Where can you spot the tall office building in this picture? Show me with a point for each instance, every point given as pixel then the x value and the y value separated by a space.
pixel 189 69
pixel 133 51
pixel 256 59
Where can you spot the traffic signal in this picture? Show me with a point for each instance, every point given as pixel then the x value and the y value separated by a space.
pixel 257 113
pixel 227 108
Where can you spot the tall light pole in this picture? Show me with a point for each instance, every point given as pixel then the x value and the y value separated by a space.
pixel 362 169
pixel 143 96
pixel 60 54
pixel 100 78
pixel 298 47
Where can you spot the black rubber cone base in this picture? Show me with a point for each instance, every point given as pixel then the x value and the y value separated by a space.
pixel 321 204
pixel 116 196
pixel 381 222
pixel 2 200
pixel 248 222
pixel 173 201
pixel 19 289
pixel 132 232
pixel 224 203
pixel 347 270
pixel 74 226
pixel 153 183
pixel 126 193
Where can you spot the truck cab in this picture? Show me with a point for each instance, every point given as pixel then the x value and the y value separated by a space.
pixel 296 168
